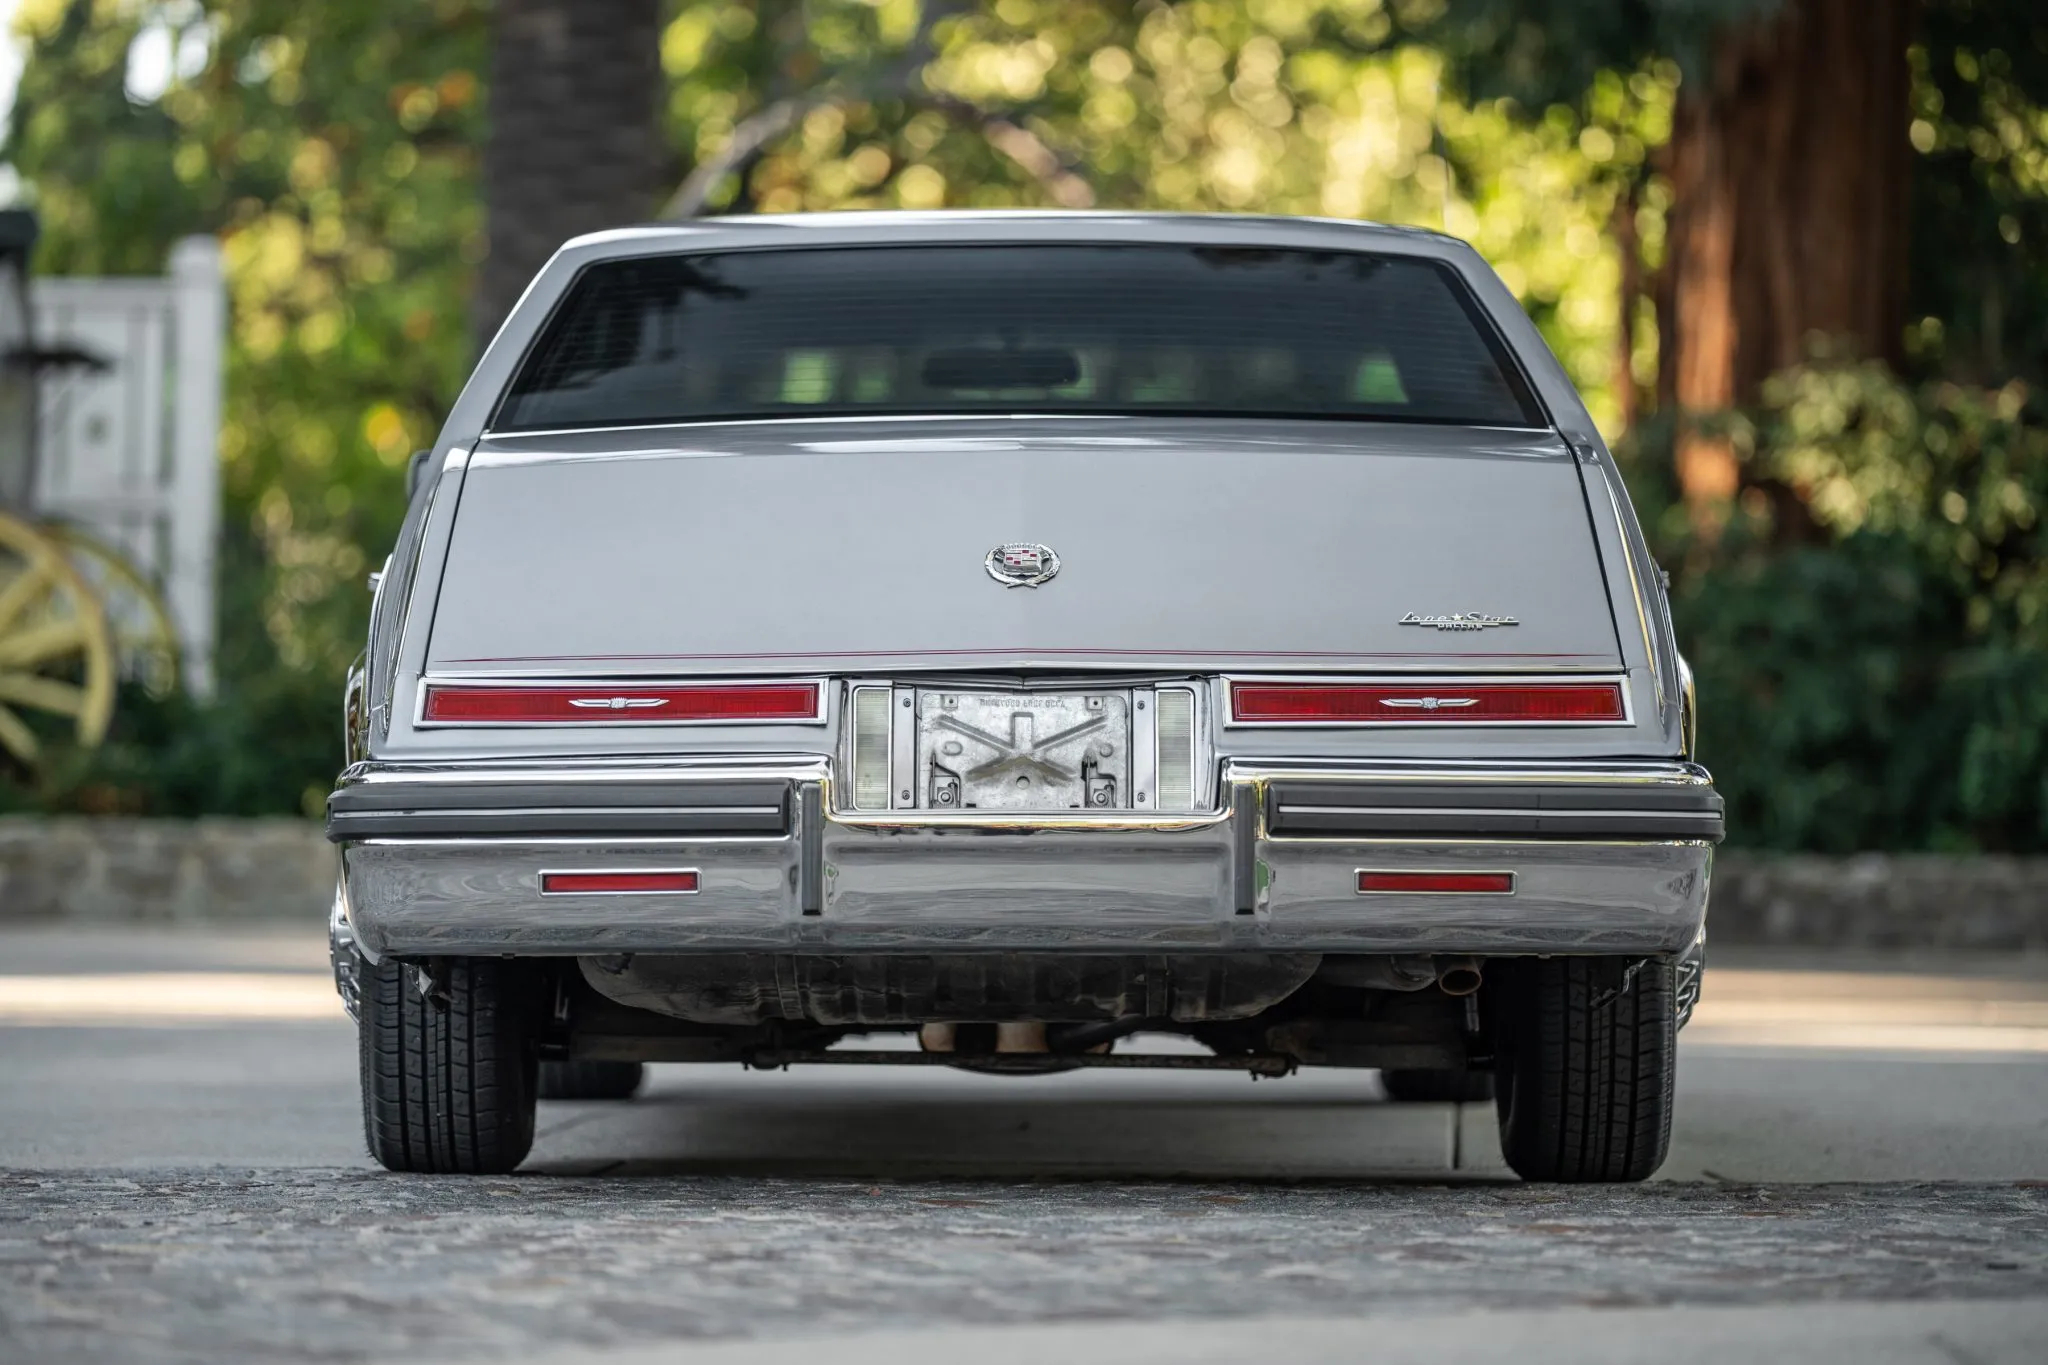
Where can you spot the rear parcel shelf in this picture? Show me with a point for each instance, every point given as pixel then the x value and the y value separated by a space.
pixel 452 809
pixel 1563 810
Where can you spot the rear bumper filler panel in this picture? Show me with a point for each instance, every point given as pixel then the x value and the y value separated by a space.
pixel 1587 809
pixel 441 805
pixel 1272 869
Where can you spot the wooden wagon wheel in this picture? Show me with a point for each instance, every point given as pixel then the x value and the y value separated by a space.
pixel 56 653
pixel 145 642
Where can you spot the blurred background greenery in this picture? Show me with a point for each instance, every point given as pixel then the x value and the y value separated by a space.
pixel 1794 252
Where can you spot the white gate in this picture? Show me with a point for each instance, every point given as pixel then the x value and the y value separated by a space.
pixel 131 452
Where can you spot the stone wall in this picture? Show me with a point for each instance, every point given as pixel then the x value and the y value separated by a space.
pixel 169 871
pixel 84 869
pixel 1880 900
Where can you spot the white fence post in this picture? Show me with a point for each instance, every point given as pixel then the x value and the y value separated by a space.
pixel 198 347
pixel 131 452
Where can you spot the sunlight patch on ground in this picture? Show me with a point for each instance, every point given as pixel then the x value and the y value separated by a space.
pixel 1875 1011
pixel 1741 1007
pixel 132 999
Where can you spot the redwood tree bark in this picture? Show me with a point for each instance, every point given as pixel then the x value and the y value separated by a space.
pixel 1789 169
pixel 575 142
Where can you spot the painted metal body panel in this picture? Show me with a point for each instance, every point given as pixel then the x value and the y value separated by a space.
pixel 1188 544
pixel 1190 550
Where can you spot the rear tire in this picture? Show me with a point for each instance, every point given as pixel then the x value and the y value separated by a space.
pixel 590 1080
pixel 1587 1064
pixel 1437 1085
pixel 448 1086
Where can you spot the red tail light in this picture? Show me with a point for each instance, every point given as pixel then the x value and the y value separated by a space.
pixel 614 883
pixel 609 703
pixel 1459 883
pixel 1423 703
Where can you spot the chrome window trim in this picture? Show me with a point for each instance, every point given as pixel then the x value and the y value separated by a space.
pixel 415 622
pixel 1688 711
pixel 1466 290
pixel 1231 681
pixel 488 458
pixel 1635 584
pixel 598 683
pixel 544 873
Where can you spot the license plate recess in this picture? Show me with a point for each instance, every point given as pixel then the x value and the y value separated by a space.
pixel 1024 751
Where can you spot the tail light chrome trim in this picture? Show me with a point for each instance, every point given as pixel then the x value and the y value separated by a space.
pixel 494 703
pixel 1345 703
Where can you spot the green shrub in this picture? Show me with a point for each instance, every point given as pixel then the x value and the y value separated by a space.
pixel 1870 631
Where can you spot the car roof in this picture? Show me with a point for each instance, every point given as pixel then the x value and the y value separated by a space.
pixel 995 226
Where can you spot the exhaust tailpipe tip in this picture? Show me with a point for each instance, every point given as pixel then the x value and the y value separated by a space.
pixel 1458 975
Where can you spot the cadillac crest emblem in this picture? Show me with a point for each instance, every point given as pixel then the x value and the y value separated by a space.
pixel 1022 564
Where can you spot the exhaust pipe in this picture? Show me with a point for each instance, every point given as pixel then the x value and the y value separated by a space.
pixel 1458 975
pixel 1095 1036
pixel 982 1039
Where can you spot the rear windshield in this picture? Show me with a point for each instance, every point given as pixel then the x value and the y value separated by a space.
pixel 977 329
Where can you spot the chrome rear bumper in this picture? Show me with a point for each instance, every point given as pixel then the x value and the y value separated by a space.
pixel 1606 859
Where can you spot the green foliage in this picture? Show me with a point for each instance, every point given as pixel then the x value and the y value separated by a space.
pixel 1545 52
pixel 334 149
pixel 1980 195
pixel 1876 676
pixel 1301 107
pixel 268 745
pixel 1868 631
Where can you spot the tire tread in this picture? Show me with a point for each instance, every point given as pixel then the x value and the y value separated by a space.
pixel 1587 1068
pixel 447 1089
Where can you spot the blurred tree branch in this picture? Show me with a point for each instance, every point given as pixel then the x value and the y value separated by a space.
pixel 900 80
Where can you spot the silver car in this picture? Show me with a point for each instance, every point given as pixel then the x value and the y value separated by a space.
pixel 999 640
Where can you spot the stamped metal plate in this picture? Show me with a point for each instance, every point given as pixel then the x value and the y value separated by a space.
pixel 1031 751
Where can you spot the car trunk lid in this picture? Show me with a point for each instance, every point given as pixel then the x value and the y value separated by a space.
pixel 864 547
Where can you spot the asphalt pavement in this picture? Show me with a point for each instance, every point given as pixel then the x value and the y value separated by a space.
pixel 1859 1171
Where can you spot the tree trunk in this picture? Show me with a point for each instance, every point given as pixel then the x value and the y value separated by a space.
pixel 1628 245
pixel 575 141
pixel 1789 170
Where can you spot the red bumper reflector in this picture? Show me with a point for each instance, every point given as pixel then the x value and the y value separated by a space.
pixel 612 883
pixel 611 703
pixel 1423 703
pixel 1461 883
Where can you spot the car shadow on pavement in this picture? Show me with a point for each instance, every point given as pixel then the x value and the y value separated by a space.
pixel 946 1125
